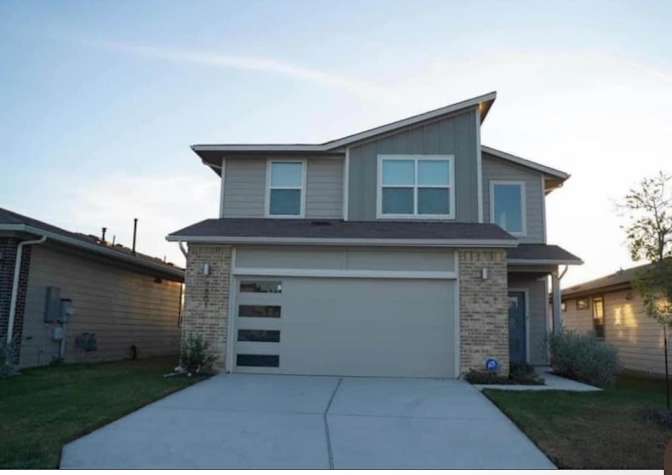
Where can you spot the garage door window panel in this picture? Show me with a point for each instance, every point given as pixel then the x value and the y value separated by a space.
pixel 261 286
pixel 259 311
pixel 265 336
pixel 251 360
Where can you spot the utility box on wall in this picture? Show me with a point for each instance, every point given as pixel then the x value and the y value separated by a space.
pixel 52 307
pixel 57 309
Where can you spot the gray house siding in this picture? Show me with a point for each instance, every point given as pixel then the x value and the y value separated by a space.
pixel 497 169
pixel 122 307
pixel 245 188
pixel 457 135
pixel 344 258
pixel 324 188
pixel 537 318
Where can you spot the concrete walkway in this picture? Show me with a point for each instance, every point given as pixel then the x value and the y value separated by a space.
pixel 553 383
pixel 263 421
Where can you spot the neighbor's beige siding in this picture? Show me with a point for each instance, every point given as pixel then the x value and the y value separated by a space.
pixel 122 307
pixel 638 338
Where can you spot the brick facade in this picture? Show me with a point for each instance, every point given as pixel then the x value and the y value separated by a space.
pixel 484 328
pixel 484 314
pixel 8 249
pixel 206 299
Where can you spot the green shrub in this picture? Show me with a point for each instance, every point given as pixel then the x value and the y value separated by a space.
pixel 583 358
pixel 196 358
pixel 7 359
pixel 519 373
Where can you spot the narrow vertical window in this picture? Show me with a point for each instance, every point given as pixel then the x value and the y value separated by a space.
pixel 598 317
pixel 507 206
pixel 285 189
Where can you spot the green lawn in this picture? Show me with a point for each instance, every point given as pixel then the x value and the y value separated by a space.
pixel 592 430
pixel 44 408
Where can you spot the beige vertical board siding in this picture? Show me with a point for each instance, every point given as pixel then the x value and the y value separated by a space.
pixel 497 169
pixel 536 319
pixel 324 183
pixel 122 307
pixel 245 188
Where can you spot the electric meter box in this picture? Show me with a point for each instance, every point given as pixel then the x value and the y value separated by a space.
pixel 57 309
pixel 52 306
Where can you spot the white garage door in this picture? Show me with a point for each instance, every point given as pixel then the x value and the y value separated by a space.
pixel 345 326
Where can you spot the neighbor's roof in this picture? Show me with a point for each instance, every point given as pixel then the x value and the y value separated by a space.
pixel 550 254
pixel 616 281
pixel 17 223
pixel 339 232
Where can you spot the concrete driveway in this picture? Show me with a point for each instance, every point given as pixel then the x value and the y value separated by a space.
pixel 263 421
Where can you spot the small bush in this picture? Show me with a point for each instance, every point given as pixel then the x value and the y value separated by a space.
pixel 583 358
pixel 520 373
pixel 196 358
pixel 7 359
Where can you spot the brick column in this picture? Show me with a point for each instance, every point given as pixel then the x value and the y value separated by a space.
pixel 206 298
pixel 484 313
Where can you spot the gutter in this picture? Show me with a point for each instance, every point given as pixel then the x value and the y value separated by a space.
pixel 15 284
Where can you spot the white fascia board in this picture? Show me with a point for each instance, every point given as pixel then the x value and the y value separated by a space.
pixel 346 241
pixel 91 247
pixel 569 262
pixel 259 148
pixel 526 163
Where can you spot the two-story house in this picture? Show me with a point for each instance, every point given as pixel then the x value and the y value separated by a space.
pixel 409 249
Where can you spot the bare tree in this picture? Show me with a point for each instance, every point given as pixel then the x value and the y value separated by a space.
pixel 649 237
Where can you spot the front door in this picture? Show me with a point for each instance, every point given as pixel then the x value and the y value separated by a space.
pixel 517 331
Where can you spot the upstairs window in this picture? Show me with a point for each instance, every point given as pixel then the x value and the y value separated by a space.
pixel 507 206
pixel 285 195
pixel 416 186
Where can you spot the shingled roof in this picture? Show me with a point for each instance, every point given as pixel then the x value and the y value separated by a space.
pixel 11 222
pixel 305 231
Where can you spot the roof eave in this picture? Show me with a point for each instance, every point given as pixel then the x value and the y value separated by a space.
pixel 167 270
pixel 344 241
pixel 483 103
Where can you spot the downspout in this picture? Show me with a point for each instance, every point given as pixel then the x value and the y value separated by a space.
pixel 15 285
pixel 184 251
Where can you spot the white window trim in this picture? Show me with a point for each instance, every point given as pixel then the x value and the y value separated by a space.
pixel 415 186
pixel 267 197
pixel 523 204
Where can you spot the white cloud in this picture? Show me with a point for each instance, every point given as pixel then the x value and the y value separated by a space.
pixel 362 89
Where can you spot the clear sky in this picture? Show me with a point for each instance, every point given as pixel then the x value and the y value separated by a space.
pixel 100 100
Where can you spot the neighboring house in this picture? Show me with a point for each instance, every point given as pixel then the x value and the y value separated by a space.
pixel 76 297
pixel 397 251
pixel 612 310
